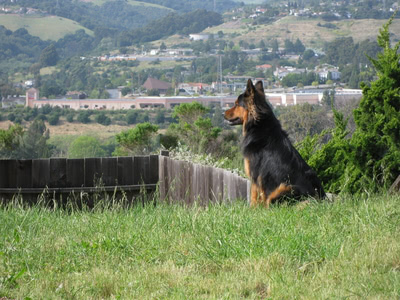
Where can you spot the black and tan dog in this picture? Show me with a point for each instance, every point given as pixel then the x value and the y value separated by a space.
pixel 274 166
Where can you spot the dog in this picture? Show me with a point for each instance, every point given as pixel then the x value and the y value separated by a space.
pixel 275 167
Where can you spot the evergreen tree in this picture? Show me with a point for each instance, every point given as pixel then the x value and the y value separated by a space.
pixel 370 159
pixel 377 137
pixel 49 56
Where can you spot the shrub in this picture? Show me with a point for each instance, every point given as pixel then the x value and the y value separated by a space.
pixel 103 119
pixel 84 117
pixel 53 119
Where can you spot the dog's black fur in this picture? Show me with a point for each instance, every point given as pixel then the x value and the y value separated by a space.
pixel 274 165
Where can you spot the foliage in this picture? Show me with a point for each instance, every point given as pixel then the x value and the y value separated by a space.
pixel 85 146
pixel 54 118
pixel 10 140
pixel 137 140
pixel 84 116
pixel 49 56
pixel 35 141
pixel 376 140
pixel 370 158
pixel 18 47
pixel 103 119
pixel 194 129
pixel 302 120
pixel 173 23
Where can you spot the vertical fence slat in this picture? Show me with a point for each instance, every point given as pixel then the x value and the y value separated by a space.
pixel 153 169
pixel 109 170
pixel 161 176
pixel 171 181
pixel 6 168
pixel 141 166
pixel 58 172
pixel 75 172
pixel 125 165
pixel 24 173
pixel 92 171
pixel 40 173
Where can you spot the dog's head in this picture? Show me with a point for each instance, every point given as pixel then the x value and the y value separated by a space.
pixel 248 106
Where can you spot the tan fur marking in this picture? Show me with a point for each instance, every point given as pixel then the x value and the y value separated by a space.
pixel 247 167
pixel 279 191
pixel 253 195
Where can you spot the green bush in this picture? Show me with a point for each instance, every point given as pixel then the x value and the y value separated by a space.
pixel 54 119
pixel 70 117
pixel 84 117
pixel 370 159
pixel 103 119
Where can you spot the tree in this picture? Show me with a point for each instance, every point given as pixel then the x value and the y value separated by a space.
pixel 163 47
pixel 370 159
pixel 54 118
pixel 49 56
pixel 84 117
pixel 137 140
pixel 376 140
pixel 131 117
pixel 103 119
pixel 308 54
pixel 194 129
pixel 275 46
pixel 85 146
pixel 35 141
pixel 10 141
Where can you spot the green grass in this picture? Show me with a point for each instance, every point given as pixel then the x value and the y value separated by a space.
pixel 47 28
pixel 349 249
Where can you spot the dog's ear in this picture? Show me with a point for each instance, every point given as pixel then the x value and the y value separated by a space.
pixel 259 87
pixel 250 89
pixel 249 100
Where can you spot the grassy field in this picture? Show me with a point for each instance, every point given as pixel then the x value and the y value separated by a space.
pixel 349 249
pixel 47 28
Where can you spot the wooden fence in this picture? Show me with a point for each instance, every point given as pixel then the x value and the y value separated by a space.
pixel 61 175
pixel 178 181
pixel 186 182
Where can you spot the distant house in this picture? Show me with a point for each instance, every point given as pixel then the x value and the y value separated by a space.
pixel 75 95
pixel 194 87
pixel 326 70
pixel 198 37
pixel 283 71
pixel 12 101
pixel 155 84
pixel 264 67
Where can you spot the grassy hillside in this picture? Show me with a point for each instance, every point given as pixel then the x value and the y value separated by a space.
pixel 346 249
pixel 306 30
pixel 47 28
pixel 131 2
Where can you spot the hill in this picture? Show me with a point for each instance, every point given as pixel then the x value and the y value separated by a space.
pixel 130 2
pixel 307 30
pixel 46 28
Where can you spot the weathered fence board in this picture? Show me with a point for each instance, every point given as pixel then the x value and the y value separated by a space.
pixel 58 172
pixel 24 170
pixel 125 170
pixel 92 171
pixel 75 172
pixel 179 181
pixel 185 182
pixel 61 175
pixel 40 173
